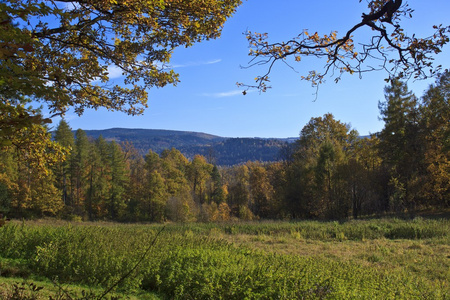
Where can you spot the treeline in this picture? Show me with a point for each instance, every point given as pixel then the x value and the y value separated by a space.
pixel 232 151
pixel 329 173
pixel 157 140
pixel 218 150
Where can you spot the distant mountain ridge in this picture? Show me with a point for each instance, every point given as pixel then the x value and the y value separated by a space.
pixel 220 150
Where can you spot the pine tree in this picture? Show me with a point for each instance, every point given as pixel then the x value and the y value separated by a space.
pixel 79 172
pixel 436 115
pixel 400 145
pixel 101 177
pixel 93 177
pixel 136 188
pixel 64 136
pixel 119 181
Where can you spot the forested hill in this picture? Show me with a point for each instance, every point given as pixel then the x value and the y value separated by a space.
pixel 221 150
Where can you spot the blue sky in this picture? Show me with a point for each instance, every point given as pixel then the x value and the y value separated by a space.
pixel 208 100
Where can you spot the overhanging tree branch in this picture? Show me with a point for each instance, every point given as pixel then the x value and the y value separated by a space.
pixel 413 56
pixel 58 52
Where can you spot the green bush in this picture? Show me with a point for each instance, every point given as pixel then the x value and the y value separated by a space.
pixel 187 262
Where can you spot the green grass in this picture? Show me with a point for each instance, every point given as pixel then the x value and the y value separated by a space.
pixel 368 259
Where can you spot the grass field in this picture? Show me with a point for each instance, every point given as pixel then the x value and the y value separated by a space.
pixel 366 259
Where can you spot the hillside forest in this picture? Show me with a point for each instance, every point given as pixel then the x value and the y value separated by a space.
pixel 329 173
pixel 217 150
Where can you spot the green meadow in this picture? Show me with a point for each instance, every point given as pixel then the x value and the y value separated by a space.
pixel 361 259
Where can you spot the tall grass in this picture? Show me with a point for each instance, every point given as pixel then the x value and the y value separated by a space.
pixel 353 230
pixel 191 261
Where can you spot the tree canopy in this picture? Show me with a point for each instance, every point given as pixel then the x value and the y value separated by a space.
pixel 389 48
pixel 61 52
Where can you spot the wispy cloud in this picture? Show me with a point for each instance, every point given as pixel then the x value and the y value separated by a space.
pixel 196 63
pixel 68 6
pixel 223 94
pixel 114 72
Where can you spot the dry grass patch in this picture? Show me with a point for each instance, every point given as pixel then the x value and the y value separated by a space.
pixel 427 257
